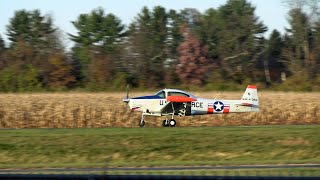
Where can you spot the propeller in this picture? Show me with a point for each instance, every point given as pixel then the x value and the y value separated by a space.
pixel 126 100
pixel 127 91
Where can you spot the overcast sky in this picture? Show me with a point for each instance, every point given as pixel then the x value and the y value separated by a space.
pixel 272 12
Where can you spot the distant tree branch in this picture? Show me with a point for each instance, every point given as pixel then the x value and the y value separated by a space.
pixel 235 56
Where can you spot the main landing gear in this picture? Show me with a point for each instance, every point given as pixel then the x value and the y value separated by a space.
pixel 167 123
pixel 171 122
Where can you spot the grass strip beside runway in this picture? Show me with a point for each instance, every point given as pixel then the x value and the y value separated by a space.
pixel 138 147
pixel 303 172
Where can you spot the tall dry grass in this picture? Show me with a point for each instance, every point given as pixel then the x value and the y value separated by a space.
pixel 71 110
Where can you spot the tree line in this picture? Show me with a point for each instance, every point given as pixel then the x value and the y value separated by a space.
pixel 222 48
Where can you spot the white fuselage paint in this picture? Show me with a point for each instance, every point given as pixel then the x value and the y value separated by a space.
pixel 201 106
pixel 170 102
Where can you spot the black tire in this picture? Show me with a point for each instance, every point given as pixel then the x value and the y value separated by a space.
pixel 165 123
pixel 141 124
pixel 172 122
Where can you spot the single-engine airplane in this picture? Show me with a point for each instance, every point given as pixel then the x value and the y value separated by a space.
pixel 171 102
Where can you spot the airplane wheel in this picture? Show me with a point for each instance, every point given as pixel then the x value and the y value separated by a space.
pixel 165 123
pixel 141 124
pixel 172 123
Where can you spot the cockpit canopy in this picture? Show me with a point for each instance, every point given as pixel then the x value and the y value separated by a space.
pixel 173 92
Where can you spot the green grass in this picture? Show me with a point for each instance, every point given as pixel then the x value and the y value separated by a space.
pixel 241 172
pixel 305 172
pixel 110 147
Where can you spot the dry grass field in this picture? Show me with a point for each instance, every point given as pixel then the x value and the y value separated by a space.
pixel 71 110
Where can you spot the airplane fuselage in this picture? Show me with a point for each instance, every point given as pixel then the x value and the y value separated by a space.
pixel 170 102
pixel 201 106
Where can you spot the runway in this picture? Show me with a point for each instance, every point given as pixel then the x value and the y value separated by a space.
pixel 175 168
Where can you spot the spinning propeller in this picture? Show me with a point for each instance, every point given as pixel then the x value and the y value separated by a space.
pixel 126 100
pixel 127 91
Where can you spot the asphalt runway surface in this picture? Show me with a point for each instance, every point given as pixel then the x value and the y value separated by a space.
pixel 175 168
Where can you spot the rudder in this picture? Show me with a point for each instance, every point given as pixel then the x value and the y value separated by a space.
pixel 250 96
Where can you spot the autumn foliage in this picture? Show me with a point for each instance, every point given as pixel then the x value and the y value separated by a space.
pixel 193 63
pixel 59 71
pixel 220 48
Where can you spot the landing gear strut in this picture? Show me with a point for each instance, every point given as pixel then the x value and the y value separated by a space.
pixel 171 122
pixel 142 123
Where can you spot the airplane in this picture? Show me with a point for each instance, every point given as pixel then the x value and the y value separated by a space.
pixel 171 102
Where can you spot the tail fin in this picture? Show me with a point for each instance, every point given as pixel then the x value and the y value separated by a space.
pixel 250 97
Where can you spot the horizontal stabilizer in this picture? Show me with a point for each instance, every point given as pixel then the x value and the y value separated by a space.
pixel 180 99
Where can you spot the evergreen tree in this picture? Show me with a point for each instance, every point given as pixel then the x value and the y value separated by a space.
pixel 240 39
pixel 148 35
pixel 300 29
pixel 2 53
pixel 272 63
pixel 33 41
pixel 33 28
pixel 98 35
pixel 191 17
pixel 209 29
pixel 174 39
pixel 174 34
pixel 99 29
pixel 302 53
pixel 2 45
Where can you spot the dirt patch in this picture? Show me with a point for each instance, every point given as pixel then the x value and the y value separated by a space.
pixel 294 142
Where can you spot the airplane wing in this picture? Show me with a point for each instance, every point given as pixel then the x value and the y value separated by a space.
pixel 178 103
pixel 180 99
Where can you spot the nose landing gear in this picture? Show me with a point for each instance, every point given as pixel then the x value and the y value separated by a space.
pixel 141 123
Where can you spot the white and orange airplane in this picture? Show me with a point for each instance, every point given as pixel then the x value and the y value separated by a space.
pixel 171 102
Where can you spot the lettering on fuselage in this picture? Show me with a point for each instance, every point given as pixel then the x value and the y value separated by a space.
pixel 163 102
pixel 253 99
pixel 197 104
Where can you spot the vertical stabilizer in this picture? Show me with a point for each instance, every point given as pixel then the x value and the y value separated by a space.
pixel 250 96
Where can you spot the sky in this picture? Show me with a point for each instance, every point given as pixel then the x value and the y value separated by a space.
pixel 272 13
